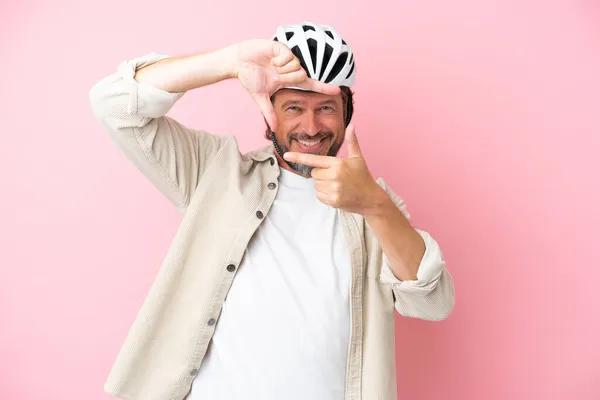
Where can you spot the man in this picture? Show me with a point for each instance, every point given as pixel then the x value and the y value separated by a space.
pixel 284 277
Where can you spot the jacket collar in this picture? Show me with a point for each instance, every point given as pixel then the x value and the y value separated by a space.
pixel 263 153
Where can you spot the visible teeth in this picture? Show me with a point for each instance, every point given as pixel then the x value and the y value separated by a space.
pixel 309 144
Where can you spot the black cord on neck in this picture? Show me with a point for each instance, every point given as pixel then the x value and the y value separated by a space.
pixel 278 149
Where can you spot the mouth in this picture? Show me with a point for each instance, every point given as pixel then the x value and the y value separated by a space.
pixel 310 145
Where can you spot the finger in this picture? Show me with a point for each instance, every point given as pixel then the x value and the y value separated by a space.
pixel 293 78
pixel 317 86
pixel 323 173
pixel 266 108
pixel 328 186
pixel 291 66
pixel 310 159
pixel 325 198
pixel 352 140
pixel 322 186
pixel 282 55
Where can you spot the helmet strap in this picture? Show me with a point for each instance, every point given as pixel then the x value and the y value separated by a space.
pixel 277 148
pixel 349 108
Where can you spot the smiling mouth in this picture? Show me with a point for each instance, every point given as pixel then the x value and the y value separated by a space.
pixel 310 143
pixel 311 146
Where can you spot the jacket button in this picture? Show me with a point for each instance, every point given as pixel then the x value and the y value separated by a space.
pixel 272 160
pixel 259 215
pixel 212 321
pixel 271 186
pixel 231 268
pixel 193 372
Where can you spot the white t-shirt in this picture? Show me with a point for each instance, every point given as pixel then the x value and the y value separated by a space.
pixel 285 325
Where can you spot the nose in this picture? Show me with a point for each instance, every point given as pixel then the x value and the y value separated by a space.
pixel 310 124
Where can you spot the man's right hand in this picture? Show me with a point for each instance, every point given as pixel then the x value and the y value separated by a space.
pixel 265 66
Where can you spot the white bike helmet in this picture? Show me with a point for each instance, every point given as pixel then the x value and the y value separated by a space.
pixel 322 52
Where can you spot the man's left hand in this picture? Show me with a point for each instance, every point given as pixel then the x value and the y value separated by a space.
pixel 344 183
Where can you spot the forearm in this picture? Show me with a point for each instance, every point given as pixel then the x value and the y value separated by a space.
pixel 402 244
pixel 184 73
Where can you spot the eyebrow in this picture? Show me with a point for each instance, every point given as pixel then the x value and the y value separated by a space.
pixel 302 102
pixel 328 102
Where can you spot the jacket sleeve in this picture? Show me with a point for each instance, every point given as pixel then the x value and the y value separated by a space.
pixel 172 156
pixel 431 296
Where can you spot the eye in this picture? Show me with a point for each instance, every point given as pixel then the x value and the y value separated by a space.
pixel 292 108
pixel 327 108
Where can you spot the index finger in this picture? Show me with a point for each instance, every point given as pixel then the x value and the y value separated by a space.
pixel 310 159
pixel 266 107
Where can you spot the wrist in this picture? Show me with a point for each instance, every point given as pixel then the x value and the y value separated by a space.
pixel 379 204
pixel 230 59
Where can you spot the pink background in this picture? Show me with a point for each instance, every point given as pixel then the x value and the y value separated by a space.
pixel 483 115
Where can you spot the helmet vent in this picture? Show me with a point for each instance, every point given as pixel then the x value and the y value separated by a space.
pixel 351 71
pixel 337 67
pixel 298 54
pixel 312 47
pixel 326 58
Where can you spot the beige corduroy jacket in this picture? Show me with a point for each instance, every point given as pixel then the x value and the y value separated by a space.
pixel 224 196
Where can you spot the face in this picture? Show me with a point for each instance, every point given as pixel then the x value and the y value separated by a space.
pixel 309 123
